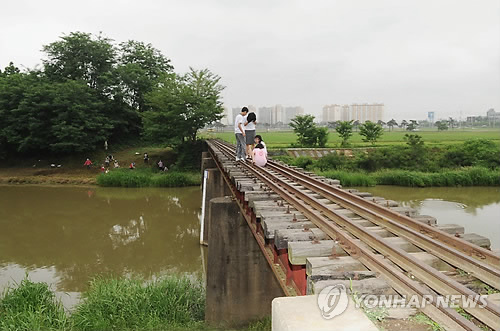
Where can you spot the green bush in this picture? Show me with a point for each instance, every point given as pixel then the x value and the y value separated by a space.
pixel 127 304
pixel 31 306
pixel 476 176
pixel 349 178
pixel 332 161
pixel 148 177
pixel 304 162
pixel 475 152
pixel 176 179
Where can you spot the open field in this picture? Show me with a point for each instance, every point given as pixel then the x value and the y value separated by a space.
pixel 284 139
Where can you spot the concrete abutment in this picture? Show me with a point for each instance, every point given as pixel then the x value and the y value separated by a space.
pixel 240 283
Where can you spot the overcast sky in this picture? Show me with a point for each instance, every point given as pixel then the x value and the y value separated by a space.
pixel 414 56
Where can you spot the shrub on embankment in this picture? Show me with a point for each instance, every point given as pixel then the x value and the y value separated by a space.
pixel 148 178
pixel 472 176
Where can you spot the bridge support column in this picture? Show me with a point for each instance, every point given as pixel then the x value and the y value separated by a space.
pixel 240 283
pixel 215 187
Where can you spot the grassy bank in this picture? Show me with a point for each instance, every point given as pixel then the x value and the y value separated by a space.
pixel 473 176
pixel 170 303
pixel 148 178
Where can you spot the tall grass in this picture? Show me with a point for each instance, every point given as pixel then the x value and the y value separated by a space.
pixel 127 304
pixel 31 306
pixel 474 176
pixel 147 178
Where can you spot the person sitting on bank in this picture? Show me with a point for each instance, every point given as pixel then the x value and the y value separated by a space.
pixel 259 155
pixel 132 166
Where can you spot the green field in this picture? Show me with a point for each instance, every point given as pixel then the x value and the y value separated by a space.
pixel 284 139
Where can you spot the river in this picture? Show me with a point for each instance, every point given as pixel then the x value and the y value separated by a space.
pixel 475 208
pixel 65 236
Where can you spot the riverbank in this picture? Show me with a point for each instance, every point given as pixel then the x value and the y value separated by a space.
pixel 169 303
pixel 72 172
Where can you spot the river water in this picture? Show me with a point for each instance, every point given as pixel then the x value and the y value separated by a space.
pixel 66 235
pixel 475 208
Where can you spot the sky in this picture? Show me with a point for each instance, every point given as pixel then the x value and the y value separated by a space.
pixel 413 56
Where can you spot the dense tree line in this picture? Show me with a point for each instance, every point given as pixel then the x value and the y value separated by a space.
pixel 90 89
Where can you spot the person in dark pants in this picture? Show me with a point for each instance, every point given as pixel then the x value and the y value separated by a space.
pixel 239 132
pixel 146 158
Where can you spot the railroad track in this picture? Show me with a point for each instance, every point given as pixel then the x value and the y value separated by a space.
pixel 406 274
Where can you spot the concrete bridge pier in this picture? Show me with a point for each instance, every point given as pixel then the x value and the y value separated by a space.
pixel 213 186
pixel 240 283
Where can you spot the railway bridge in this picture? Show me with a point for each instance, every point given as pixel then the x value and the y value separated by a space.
pixel 277 236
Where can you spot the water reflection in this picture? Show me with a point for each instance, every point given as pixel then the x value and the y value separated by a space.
pixel 475 208
pixel 67 235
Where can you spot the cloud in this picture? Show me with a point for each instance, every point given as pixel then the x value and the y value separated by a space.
pixel 413 56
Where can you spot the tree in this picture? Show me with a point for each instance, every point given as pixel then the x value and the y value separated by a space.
pixel 82 56
pixel 392 123
pixel 452 122
pixel 404 124
pixel 381 123
pixel 412 126
pixel 344 129
pixel 355 124
pixel 414 140
pixel 140 66
pixel 39 115
pixel 308 134
pixel 441 125
pixel 181 105
pixel 371 132
pixel 332 125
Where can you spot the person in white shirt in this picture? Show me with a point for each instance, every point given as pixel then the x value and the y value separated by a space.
pixel 239 132
pixel 250 121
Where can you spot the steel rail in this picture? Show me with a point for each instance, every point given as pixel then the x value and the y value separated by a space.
pixel 353 201
pixel 402 283
pixel 490 315
pixel 477 268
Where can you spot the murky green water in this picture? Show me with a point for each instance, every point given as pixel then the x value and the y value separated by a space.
pixel 67 235
pixel 475 208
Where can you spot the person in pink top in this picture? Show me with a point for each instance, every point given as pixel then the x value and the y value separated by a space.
pixel 260 155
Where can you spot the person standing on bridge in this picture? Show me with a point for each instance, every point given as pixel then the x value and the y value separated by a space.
pixel 239 132
pixel 250 121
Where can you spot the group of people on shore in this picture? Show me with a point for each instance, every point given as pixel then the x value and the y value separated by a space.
pixel 249 146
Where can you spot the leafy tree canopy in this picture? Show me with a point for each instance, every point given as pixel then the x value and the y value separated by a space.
pixel 181 105
pixel 371 132
pixel 344 130
pixel 308 134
